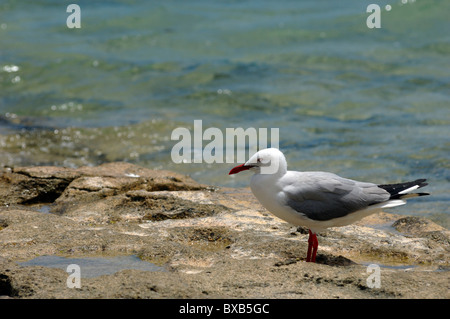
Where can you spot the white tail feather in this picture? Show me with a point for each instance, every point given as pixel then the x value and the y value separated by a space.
pixel 391 203
pixel 409 190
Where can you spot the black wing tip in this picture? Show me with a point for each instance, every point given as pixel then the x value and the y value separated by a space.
pixel 421 182
pixel 423 194
pixel 396 189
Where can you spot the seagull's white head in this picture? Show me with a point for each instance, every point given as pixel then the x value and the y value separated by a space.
pixel 266 161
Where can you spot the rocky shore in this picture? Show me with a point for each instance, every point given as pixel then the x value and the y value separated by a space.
pixel 207 242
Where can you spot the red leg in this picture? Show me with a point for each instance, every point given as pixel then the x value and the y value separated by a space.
pixel 310 244
pixel 313 244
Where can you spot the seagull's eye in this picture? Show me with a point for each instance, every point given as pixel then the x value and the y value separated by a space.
pixel 258 160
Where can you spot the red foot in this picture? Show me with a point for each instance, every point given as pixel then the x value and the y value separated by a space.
pixel 313 244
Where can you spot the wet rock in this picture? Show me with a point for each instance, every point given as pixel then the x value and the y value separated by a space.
pixel 163 205
pixel 33 185
pixel 334 260
pixel 413 225
pixel 211 243
pixel 45 184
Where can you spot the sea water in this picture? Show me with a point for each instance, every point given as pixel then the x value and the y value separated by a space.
pixel 366 103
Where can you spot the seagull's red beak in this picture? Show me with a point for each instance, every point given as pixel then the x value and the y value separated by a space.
pixel 239 168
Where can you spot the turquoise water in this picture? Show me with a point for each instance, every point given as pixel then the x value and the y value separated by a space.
pixel 369 104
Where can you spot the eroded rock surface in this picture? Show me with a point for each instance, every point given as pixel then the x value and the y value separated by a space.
pixel 211 242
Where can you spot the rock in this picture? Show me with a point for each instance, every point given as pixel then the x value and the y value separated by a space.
pixel 211 242
pixel 45 184
pixel 413 225
pixel 30 185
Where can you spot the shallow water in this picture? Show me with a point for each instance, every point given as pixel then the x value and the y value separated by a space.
pixel 396 267
pixel 93 266
pixel 369 104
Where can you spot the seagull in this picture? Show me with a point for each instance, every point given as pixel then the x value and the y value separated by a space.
pixel 318 200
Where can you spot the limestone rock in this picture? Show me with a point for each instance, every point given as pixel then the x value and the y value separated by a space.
pixel 211 242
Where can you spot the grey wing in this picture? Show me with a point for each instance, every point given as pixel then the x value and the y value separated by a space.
pixel 323 196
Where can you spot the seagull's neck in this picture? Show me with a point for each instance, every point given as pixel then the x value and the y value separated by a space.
pixel 266 188
pixel 282 169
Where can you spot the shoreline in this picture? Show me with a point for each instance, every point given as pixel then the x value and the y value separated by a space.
pixel 211 242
